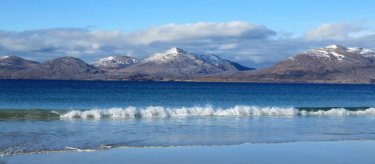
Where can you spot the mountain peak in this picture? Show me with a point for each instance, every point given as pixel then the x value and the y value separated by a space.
pixel 11 57
pixel 335 46
pixel 66 59
pixel 167 55
pixel 344 49
pixel 337 52
pixel 115 61
pixel 362 51
pixel 15 60
pixel 174 50
pixel 4 57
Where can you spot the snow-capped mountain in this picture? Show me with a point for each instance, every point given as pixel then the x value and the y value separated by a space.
pixel 172 64
pixel 115 62
pixel 175 54
pixel 333 63
pixel 176 63
pixel 337 52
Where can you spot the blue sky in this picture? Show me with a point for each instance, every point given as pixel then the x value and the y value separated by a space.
pixel 288 18
pixel 286 15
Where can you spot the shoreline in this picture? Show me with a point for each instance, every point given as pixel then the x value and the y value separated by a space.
pixel 197 81
pixel 350 151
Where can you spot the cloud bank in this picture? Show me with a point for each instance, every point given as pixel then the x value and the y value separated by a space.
pixel 250 44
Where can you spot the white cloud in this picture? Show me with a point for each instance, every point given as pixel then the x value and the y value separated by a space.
pixel 90 44
pixel 250 44
pixel 334 31
pixel 202 31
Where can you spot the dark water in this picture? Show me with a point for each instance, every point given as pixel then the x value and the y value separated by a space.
pixel 64 115
pixel 95 94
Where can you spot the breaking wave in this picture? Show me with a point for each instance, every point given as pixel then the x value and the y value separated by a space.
pixel 198 111
pixel 238 111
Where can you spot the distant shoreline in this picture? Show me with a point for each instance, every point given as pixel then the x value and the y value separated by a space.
pixel 194 81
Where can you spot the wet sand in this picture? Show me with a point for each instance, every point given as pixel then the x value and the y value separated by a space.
pixel 294 152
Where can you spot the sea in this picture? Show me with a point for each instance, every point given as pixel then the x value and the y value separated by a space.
pixel 54 116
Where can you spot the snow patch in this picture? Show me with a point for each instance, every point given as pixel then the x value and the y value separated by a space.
pixel 292 58
pixel 338 52
pixel 173 53
pixel 362 51
pixel 113 61
pixel 163 57
pixel 318 53
pixel 332 46
pixel 354 49
pixel 366 51
pixel 174 50
pixel 338 56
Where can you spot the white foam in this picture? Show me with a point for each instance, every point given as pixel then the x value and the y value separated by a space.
pixel 339 112
pixel 162 112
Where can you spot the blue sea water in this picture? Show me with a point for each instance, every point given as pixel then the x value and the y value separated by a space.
pixel 39 116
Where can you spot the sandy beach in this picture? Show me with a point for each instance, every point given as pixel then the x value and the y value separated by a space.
pixel 294 152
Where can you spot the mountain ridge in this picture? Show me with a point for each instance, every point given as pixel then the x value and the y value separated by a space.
pixel 330 64
pixel 114 62
pixel 172 64
pixel 63 68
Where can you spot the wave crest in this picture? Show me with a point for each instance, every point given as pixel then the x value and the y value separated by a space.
pixel 162 112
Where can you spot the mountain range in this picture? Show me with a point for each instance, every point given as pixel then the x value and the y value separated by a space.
pixel 176 64
pixel 331 64
pixel 172 64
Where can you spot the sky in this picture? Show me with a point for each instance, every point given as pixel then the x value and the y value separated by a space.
pixel 253 33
